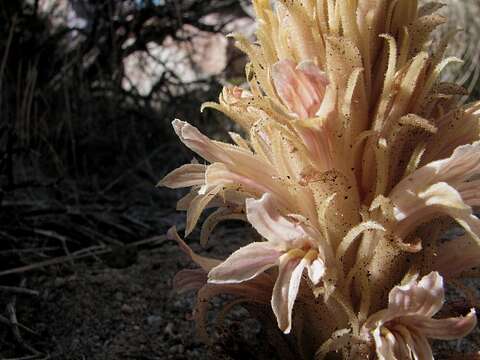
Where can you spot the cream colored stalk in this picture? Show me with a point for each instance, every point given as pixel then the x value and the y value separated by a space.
pixel 352 162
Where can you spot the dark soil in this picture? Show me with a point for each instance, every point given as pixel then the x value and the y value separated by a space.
pixel 123 307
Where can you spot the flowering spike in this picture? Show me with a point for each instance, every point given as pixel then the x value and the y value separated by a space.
pixel 352 163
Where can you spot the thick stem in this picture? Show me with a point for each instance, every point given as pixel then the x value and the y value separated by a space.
pixel 387 268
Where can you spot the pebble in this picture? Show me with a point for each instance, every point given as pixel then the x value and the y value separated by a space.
pixel 153 319
pixel 59 282
pixel 118 296
pixel 169 329
pixel 127 309
pixel 179 349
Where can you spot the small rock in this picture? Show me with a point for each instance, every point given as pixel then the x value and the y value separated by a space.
pixel 127 309
pixel 169 329
pixel 177 349
pixel 118 296
pixel 59 282
pixel 46 294
pixel 135 288
pixel 153 319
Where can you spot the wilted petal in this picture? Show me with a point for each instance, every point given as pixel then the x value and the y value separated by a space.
pixel 419 346
pixel 266 218
pixel 462 165
pixel 196 141
pixel 245 263
pixel 197 205
pixel 215 151
pixel 437 200
pixel 185 176
pixel 449 201
pixel 286 289
pixel 423 298
pixel 204 262
pixel 470 192
pixel 301 88
pixel 455 171
pixel 189 279
pixel 445 329
pixel 385 345
pixel 219 174
pixel 408 319
pixel 402 339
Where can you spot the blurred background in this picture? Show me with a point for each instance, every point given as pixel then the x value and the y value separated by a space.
pixel 88 89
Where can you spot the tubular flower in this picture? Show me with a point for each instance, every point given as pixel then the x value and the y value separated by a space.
pixel 401 331
pixel 301 88
pixel 352 161
pixel 443 186
pixel 290 245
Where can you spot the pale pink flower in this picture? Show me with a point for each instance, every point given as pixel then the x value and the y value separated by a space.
pixel 291 245
pixel 303 90
pixel 353 157
pixel 300 87
pixel 401 331
pixel 442 187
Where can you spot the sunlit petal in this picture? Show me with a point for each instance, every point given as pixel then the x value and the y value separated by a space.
pixel 245 263
pixel 445 329
pixel 301 87
pixel 185 176
pixel 385 345
pixel 266 217
pixel 420 298
pixel 316 270
pixel 286 289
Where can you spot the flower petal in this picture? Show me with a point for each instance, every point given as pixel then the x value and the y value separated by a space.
pixel 300 88
pixel 196 141
pixel 424 298
pixel 316 270
pixel 204 262
pixel 419 346
pixel 189 279
pixel 197 205
pixel 384 345
pixel 402 339
pixel 445 329
pixel 437 200
pixel 449 201
pixel 267 219
pixel 455 171
pixel 245 263
pixel 462 165
pixel 219 174
pixel 286 289
pixel 185 176
pixel 215 151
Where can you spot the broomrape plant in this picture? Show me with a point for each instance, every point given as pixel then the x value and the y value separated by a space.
pixel 354 161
